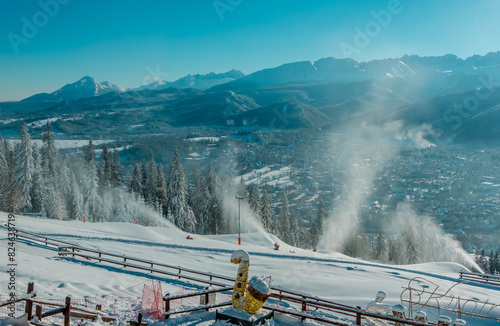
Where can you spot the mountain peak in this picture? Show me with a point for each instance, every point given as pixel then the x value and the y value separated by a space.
pixel 199 81
pixel 84 87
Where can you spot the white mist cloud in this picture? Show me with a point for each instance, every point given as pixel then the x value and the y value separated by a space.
pixel 367 149
pixel 433 244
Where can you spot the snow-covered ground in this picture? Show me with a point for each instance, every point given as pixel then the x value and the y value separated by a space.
pixel 328 275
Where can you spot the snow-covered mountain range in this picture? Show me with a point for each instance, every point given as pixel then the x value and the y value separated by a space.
pixel 85 87
pixel 308 94
pixel 435 75
pixel 193 81
pixel 447 70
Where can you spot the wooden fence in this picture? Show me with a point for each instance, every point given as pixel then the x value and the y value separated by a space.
pixel 67 310
pixel 481 278
pixel 296 299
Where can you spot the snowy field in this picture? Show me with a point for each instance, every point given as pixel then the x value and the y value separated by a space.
pixel 328 275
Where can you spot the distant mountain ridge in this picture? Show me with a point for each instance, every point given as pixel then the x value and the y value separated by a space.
pixel 434 70
pixel 83 88
pixel 194 81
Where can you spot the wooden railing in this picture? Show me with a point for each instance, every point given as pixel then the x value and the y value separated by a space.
pixel 481 278
pixel 302 300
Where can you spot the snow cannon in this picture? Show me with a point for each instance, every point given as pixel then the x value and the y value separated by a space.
pixel 250 299
pixel 258 292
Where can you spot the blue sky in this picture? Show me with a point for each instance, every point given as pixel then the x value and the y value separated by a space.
pixel 127 42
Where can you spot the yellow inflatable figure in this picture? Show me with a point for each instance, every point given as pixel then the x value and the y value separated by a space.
pixel 253 298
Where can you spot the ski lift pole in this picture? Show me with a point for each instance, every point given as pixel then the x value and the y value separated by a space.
pixel 239 218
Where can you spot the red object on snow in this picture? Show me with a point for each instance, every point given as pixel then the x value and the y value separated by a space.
pixel 276 246
pixel 152 299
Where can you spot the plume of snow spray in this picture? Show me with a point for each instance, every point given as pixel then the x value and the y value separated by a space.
pixel 367 149
pixel 431 242
pixel 365 152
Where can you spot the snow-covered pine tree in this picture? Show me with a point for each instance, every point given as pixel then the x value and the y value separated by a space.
pixel 37 187
pixel 254 198
pixel 266 211
pixel 412 245
pixel 104 169
pixel 136 182
pixel 213 211
pixel 76 207
pixel 196 198
pixel 283 227
pixel 322 215
pixel 381 250
pixel 92 200
pixel 161 189
pixel 206 223
pixel 11 200
pixel 144 172
pixel 51 159
pixel 64 181
pixel 309 240
pixel 115 168
pixel 90 155
pixel 295 227
pixel 151 183
pixel 24 168
pixel 178 209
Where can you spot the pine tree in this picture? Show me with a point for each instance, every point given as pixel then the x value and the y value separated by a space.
pixel 4 175
pixel 283 226
pixel 93 201
pixel 105 168
pixel 266 211
pixel 37 188
pixel 144 179
pixel 253 198
pixel 136 182
pixel 25 168
pixel 177 205
pixel 90 155
pixel 115 168
pixel 496 268
pixel 50 156
pixel 77 210
pixel 296 230
pixel 381 251
pixel 492 263
pixel 310 240
pixel 11 199
pixel 151 183
pixel 161 190
pixel 196 200
pixel 212 211
pixel 317 230
pixel 408 242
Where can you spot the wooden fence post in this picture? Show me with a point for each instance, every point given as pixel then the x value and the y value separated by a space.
pixel 358 315
pixel 38 312
pixel 167 305
pixel 29 304
pixel 304 308
pixel 67 312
